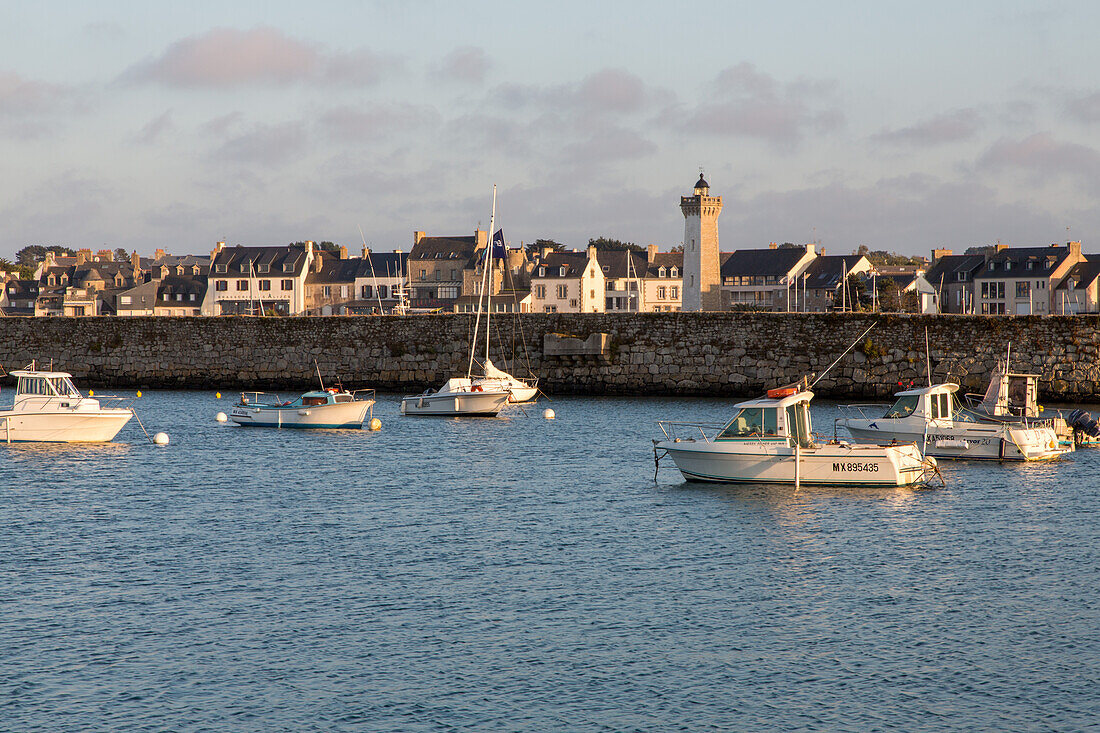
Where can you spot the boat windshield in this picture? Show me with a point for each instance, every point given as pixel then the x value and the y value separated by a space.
pixel 751 422
pixel 64 387
pixel 35 385
pixel 903 407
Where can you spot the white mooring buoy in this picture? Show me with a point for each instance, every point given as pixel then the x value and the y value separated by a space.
pixel 161 438
pixel 375 424
pixel 548 414
pixel 221 417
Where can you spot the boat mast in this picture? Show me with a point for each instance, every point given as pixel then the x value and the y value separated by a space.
pixel 477 320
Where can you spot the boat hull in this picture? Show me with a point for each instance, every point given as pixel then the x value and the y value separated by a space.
pixel 774 463
pixel 83 426
pixel 455 404
pixel 335 416
pixel 973 441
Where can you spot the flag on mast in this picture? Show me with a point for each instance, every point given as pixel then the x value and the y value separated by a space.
pixel 498 248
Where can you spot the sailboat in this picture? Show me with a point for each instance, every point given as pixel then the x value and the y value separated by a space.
pixel 480 396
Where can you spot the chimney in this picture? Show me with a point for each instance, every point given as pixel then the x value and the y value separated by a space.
pixel 938 253
pixel 1001 247
pixel 591 251
pixel 218 247
pixel 545 251
pixel 417 236
pixel 135 260
pixel 81 257
pixel 366 251
pixel 104 255
pixel 481 239
pixel 344 253
pixel 651 253
pixel 811 248
pixel 773 245
pixel 1074 248
pixel 163 270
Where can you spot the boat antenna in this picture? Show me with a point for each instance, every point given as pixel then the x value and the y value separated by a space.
pixel 318 368
pixel 850 347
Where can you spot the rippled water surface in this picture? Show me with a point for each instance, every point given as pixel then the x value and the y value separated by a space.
pixel 526 575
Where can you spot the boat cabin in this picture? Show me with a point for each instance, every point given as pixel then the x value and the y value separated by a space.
pixel 783 418
pixel 927 403
pixel 1011 394
pixel 44 385
pixel 323 397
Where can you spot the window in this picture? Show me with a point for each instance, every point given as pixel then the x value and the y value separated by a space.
pixel 288 267
pixel 661 271
pixel 288 284
pixel 423 274
pixel 242 285
pixel 449 292
pixel 179 296
pixel 220 267
pixel 674 292
pixel 940 406
pixel 542 271
pixel 674 272
pixel 1023 289
pixel 661 293
pixel 561 271
pixel 1008 265
pixel 550 309
pixel 221 285
pixel 366 292
pixel 124 299
pixel 263 267
pixel 904 406
pixel 563 291
pixel 606 268
pixel 751 422
pixel 454 274
pixel 961 276
pixel 191 297
pixel 382 291
pixel 343 291
pixel 573 303
pixel 540 291
pixel 265 285
pixel 327 291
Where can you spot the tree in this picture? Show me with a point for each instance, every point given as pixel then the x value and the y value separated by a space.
pixel 35 253
pixel 677 248
pixel 536 246
pixel 327 246
pixel 889 301
pixel 604 243
pixel 910 302
pixel 883 258
pixel 121 255
pixel 857 297
pixel 25 272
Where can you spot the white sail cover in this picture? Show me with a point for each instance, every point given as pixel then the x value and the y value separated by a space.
pixel 493 373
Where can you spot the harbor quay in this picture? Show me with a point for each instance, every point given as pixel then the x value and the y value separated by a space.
pixel 641 354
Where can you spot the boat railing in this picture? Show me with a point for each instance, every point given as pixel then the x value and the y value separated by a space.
pixel 363 395
pixel 861 410
pixel 669 428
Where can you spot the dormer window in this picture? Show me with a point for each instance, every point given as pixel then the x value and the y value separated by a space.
pixel 288 267
pixel 661 271
pixel 263 267
pixel 674 272
pixel 561 271
pixel 1008 265
pixel 220 267
pixel 606 268
pixel 542 271
pixel 51 280
pixel 1030 264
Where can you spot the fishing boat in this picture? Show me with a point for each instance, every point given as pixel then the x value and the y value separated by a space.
pixel 48 408
pixel 770 440
pixel 931 418
pixel 473 395
pixel 1014 396
pixel 323 408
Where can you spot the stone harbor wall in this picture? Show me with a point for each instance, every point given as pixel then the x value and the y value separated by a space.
pixel 638 354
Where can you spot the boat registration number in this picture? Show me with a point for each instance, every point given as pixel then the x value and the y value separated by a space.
pixel 855 467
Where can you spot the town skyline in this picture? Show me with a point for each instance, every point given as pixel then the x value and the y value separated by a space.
pixel 135 127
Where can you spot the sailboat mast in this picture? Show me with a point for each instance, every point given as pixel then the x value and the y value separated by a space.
pixel 477 319
pixel 488 274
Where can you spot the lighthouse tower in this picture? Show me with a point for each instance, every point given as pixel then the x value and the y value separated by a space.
pixel 702 276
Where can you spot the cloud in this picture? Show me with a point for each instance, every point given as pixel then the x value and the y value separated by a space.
pixel 962 124
pixel 604 92
pixel 745 102
pixel 227 57
pixel 1084 108
pixel 608 144
pixel 20 97
pixel 1044 159
pixel 153 129
pixel 265 144
pixel 350 124
pixel 468 64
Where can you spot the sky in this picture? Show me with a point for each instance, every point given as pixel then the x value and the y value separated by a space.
pixel 901 126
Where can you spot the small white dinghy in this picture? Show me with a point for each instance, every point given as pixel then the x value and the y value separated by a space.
pixel 323 408
pixel 928 416
pixel 48 408
pixel 770 440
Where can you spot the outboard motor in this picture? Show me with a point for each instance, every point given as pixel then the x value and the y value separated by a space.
pixel 1083 421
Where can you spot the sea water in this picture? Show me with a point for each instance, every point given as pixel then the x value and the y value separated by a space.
pixel 522 574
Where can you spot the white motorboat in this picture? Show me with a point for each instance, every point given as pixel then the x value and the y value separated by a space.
pixel 1014 396
pixel 457 397
pixel 48 408
pixel 770 440
pixel 323 408
pixel 928 417
pixel 474 395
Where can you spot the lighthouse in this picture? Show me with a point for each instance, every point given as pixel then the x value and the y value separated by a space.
pixel 702 275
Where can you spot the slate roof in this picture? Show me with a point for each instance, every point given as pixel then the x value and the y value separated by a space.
pixel 335 270
pixel 443 248
pixel 21 291
pixel 142 296
pixel 826 271
pixel 186 285
pixel 668 260
pixel 948 268
pixel 1043 261
pixel 777 262
pixel 574 263
pixel 1082 274
pixel 277 259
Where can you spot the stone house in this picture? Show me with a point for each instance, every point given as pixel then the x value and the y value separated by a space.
pixel 568 282
pixel 763 278
pixel 254 280
pixel 1079 290
pixel 1021 280
pixel 951 276
pixel 436 268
